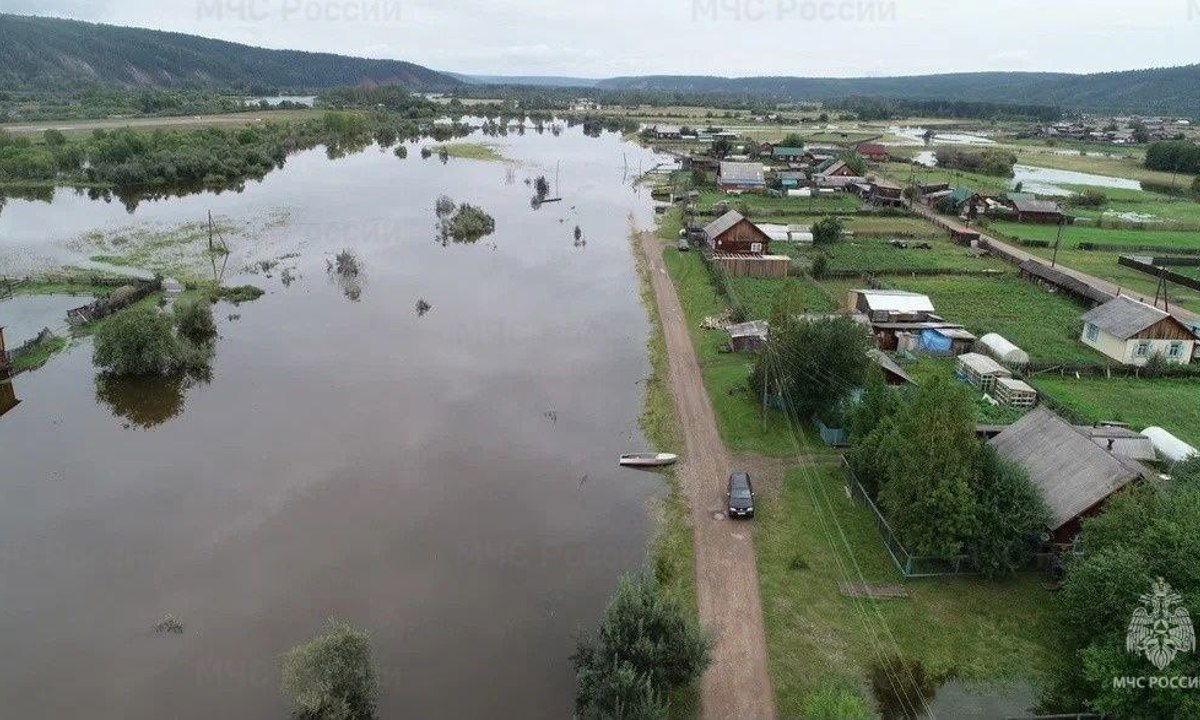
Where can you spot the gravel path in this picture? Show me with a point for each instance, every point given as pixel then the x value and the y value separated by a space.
pixel 737 684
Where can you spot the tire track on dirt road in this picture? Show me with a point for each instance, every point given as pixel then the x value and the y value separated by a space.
pixel 737 684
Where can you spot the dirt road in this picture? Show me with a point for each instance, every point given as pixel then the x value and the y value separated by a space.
pixel 737 684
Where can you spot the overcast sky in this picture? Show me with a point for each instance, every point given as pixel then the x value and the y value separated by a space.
pixel 711 37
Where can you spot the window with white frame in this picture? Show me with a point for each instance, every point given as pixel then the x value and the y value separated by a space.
pixel 1175 350
pixel 1143 349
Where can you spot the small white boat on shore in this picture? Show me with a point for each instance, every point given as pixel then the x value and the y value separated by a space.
pixel 648 459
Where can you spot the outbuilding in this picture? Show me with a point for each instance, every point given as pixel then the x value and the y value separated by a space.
pixel 1002 350
pixel 981 371
pixel 1037 211
pixel 873 152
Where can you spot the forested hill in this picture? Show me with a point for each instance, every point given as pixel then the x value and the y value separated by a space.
pixel 46 53
pixel 1160 91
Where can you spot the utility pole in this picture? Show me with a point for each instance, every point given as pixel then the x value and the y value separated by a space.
pixel 1057 240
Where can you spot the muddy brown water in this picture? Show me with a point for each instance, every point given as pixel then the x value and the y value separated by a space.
pixel 421 476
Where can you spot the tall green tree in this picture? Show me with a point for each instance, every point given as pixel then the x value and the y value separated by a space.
pixel 646 646
pixel 813 365
pixel 928 498
pixel 1010 515
pixel 1150 532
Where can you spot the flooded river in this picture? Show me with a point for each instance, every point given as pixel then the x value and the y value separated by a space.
pixel 445 480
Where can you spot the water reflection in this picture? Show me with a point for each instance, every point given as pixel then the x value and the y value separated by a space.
pixel 903 688
pixel 8 394
pixel 149 401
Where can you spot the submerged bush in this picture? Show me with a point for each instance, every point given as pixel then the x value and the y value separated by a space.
pixel 194 320
pixel 332 677
pixel 646 646
pixel 137 341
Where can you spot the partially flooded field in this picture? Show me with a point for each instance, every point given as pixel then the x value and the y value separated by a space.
pixel 430 456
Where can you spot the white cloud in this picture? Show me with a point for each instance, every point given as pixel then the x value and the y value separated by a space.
pixel 717 37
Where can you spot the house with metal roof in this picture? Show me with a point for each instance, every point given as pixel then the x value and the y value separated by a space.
pixel 740 176
pixel 1075 474
pixel 1132 332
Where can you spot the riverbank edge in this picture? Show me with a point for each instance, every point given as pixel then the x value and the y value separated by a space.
pixel 671 554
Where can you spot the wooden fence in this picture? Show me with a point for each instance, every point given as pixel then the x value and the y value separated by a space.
pixel 759 266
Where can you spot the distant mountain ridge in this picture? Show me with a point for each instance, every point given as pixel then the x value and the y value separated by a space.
pixel 530 80
pixel 41 52
pixel 1158 91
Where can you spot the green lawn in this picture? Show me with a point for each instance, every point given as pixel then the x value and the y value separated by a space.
pixel 1103 264
pixel 903 173
pixel 1172 404
pixel 767 206
pixel 877 255
pixel 1043 324
pixel 892 226
pixel 739 420
pixel 818 640
pixel 1072 235
pixel 758 295
pixel 1154 206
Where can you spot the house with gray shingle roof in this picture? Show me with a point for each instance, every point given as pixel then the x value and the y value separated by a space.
pixel 740 176
pixel 1074 473
pixel 1132 332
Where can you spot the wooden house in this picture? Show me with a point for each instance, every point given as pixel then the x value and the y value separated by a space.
pixel 981 371
pixel 1037 211
pixel 1075 475
pixel 733 234
pixel 873 152
pixel 1132 332
pixel 886 193
pixel 836 174
pixel 740 176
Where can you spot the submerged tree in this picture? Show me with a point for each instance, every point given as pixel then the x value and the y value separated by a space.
pixel 332 677
pixel 646 646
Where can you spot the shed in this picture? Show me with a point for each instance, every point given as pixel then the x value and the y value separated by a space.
pixel 1169 446
pixel 1014 392
pixel 734 234
pixel 1002 350
pixel 748 336
pixel 893 374
pixel 890 302
pixel 740 176
pixel 1036 211
pixel 1133 332
pixel 946 340
pixel 1122 441
pixel 1074 474
pixel 980 370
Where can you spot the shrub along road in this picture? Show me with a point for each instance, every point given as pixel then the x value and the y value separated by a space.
pixel 737 684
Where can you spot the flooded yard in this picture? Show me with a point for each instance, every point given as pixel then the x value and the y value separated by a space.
pixel 431 458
